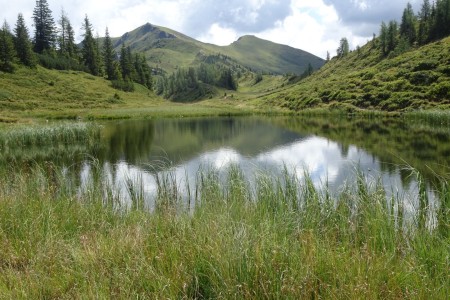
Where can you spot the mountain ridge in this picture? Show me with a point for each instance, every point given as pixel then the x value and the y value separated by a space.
pixel 169 50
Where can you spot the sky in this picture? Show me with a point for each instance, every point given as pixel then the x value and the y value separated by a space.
pixel 315 26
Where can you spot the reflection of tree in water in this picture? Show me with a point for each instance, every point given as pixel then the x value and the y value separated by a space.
pixel 395 142
pixel 129 141
pixel 151 143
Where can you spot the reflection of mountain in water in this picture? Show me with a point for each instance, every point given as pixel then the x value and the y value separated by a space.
pixel 144 142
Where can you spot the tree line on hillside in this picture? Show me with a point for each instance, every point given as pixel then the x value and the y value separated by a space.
pixel 53 46
pixel 194 81
pixel 431 23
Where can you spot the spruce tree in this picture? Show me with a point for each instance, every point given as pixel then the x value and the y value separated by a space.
pixel 392 36
pixel 109 57
pixel 384 39
pixel 344 48
pixel 441 22
pixel 7 54
pixel 408 25
pixel 63 39
pixel 22 43
pixel 72 48
pixel 423 35
pixel 89 50
pixel 44 38
pixel 126 63
pixel 99 56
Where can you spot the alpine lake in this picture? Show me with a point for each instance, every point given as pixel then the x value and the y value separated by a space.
pixel 408 158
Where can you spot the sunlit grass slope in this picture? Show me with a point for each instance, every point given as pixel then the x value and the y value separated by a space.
pixel 419 78
pixel 31 93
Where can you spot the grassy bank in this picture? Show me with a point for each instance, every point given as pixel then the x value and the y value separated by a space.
pixel 280 239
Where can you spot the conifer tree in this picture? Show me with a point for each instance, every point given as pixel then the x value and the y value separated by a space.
pixel 72 48
pixel 99 55
pixel 64 39
pixel 423 35
pixel 441 20
pixel 392 36
pixel 407 27
pixel 126 63
pixel 22 43
pixel 109 57
pixel 344 48
pixel 7 54
pixel 44 38
pixel 89 51
pixel 383 38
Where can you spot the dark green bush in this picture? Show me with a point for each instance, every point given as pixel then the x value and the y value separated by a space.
pixel 425 66
pixel 423 78
pixel 126 86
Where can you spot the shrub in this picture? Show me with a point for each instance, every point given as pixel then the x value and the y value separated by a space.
pixel 423 78
pixel 440 90
pixel 126 86
pixel 425 66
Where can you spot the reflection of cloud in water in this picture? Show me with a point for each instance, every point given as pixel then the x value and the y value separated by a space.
pixel 323 160
pixel 221 158
pixel 317 156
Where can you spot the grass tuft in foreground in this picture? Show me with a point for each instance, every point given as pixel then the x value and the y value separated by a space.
pixel 281 238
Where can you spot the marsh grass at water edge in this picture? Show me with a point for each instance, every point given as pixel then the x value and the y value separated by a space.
pixel 37 142
pixel 283 238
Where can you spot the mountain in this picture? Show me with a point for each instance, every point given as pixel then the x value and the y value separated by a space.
pixel 416 79
pixel 270 57
pixel 169 49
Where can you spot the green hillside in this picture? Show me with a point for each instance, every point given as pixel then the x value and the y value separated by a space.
pixel 261 55
pixel 28 93
pixel 169 50
pixel 416 79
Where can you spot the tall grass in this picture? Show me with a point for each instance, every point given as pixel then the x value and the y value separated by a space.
pixel 279 238
pixel 23 143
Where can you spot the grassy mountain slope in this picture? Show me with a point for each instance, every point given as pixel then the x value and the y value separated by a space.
pixel 30 93
pixel 169 49
pixel 259 55
pixel 417 79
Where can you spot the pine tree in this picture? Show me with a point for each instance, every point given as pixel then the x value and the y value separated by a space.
pixel 343 49
pixel 72 48
pixel 328 56
pixel 7 54
pixel 99 56
pixel 424 23
pixel 109 57
pixel 22 43
pixel 63 39
pixel 44 24
pixel 441 21
pixel 392 36
pixel 407 27
pixel 384 38
pixel 126 63
pixel 89 51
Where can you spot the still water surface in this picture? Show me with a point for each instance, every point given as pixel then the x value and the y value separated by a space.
pixel 330 151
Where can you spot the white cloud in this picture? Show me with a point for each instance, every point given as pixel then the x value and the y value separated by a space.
pixel 219 35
